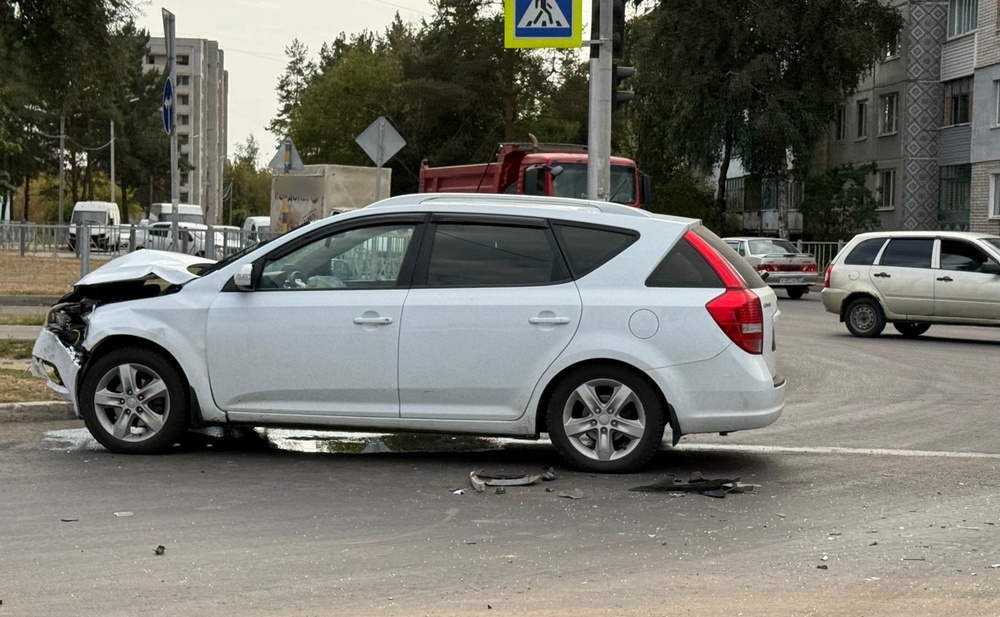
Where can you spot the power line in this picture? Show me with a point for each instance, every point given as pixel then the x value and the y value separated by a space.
pixel 399 6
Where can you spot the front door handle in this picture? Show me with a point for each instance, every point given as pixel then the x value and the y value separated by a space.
pixel 946 279
pixel 883 275
pixel 549 320
pixel 378 321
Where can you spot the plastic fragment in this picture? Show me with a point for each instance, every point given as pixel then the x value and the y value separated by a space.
pixel 69 520
pixel 576 494
pixel 121 514
pixel 159 550
pixel 481 479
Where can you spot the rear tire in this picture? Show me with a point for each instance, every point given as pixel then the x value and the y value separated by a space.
pixel 796 292
pixel 605 418
pixel 910 329
pixel 865 318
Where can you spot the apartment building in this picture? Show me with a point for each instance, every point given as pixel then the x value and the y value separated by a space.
pixel 928 114
pixel 201 94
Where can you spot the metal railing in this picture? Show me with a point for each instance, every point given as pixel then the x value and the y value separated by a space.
pixel 824 252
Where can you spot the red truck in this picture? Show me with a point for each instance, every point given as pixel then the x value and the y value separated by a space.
pixel 557 170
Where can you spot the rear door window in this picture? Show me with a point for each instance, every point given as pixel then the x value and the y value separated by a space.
pixel 962 256
pixel 493 255
pixel 908 253
pixel 587 248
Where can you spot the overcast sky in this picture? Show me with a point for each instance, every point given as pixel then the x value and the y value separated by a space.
pixel 254 34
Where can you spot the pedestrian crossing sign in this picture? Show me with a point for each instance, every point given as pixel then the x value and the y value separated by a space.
pixel 543 23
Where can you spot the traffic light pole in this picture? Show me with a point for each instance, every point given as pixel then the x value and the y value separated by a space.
pixel 599 124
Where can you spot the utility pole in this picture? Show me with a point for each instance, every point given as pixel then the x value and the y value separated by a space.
pixel 599 125
pixel 113 161
pixel 62 164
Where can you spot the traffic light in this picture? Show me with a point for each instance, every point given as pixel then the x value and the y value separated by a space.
pixel 620 98
pixel 618 29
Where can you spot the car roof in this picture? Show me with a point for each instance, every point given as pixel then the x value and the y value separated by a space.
pixel 754 238
pixel 541 205
pixel 923 234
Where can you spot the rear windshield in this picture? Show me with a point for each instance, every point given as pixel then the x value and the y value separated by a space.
pixel 772 245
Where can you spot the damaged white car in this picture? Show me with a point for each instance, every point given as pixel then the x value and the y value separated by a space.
pixel 598 324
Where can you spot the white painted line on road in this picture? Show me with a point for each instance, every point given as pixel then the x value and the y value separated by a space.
pixel 748 449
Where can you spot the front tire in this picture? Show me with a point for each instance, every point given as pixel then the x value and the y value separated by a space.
pixel 910 329
pixel 605 418
pixel 864 318
pixel 135 401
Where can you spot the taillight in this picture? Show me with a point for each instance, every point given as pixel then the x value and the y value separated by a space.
pixel 737 310
pixel 826 279
pixel 740 316
pixel 811 268
pixel 765 268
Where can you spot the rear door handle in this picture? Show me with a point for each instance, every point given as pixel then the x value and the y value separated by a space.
pixel 378 321
pixel 883 275
pixel 946 279
pixel 551 320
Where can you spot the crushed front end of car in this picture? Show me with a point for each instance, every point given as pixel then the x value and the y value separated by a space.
pixel 61 350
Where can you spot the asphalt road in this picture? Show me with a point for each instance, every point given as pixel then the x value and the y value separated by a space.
pixel 878 496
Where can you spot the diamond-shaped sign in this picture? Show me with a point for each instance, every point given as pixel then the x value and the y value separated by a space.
pixel 380 141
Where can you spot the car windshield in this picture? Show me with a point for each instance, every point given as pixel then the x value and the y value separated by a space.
pixel 572 182
pixel 93 217
pixel 182 218
pixel 771 245
pixel 233 257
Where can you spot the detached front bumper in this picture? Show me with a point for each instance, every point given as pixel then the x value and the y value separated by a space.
pixel 58 365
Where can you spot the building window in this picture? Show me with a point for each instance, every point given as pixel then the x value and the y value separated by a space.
pixel 182 139
pixel 183 80
pixel 841 122
pixel 956 182
pixel 863 119
pixel 184 198
pixel 892 48
pixel 957 101
pixel 996 101
pixel 183 119
pixel 887 189
pixel 995 195
pixel 183 60
pixel 150 59
pixel 962 16
pixel 183 99
pixel 890 106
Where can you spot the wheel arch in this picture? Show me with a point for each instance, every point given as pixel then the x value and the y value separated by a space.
pixel 857 295
pixel 541 417
pixel 121 341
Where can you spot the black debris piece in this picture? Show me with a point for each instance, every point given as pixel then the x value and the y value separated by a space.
pixel 69 520
pixel 501 490
pixel 717 493
pixel 698 483
pixel 548 474
pixel 823 566
pixel 159 550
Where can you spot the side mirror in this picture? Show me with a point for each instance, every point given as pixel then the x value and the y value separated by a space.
pixel 534 180
pixel 990 267
pixel 243 279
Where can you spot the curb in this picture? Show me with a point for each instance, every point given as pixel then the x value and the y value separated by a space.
pixel 36 412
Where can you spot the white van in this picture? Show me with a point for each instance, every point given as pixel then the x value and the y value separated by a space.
pixel 102 218
pixel 256 228
pixel 164 213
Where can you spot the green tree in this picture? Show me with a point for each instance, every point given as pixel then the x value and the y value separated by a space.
pixel 299 71
pixel 758 80
pixel 248 187
pixel 838 204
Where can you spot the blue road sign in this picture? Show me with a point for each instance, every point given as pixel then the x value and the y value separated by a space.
pixel 168 106
pixel 543 23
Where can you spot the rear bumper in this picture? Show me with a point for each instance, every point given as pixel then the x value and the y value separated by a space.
pixel 733 391
pixel 833 299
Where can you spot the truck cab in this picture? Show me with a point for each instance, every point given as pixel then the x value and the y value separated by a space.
pixel 533 169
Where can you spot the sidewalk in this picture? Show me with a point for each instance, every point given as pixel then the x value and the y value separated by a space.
pixel 23 333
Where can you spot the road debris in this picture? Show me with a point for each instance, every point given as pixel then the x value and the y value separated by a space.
pixel 501 491
pixel 121 514
pixel 709 487
pixel 823 566
pixel 481 479
pixel 458 491
pixel 159 550
pixel 69 520
pixel 576 494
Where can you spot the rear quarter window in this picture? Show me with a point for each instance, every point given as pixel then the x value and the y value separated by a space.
pixel 684 267
pixel 865 252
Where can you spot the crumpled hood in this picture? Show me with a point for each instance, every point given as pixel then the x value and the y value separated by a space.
pixel 145 264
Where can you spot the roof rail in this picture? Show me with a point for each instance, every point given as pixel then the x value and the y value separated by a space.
pixel 538 201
